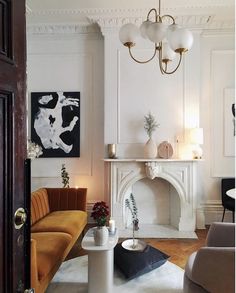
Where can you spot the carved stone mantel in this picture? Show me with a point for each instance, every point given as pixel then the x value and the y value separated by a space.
pixel 181 174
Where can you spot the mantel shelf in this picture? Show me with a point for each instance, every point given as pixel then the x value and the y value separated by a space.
pixel 151 160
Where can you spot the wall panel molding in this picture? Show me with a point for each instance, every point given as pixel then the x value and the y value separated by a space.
pixel 221 60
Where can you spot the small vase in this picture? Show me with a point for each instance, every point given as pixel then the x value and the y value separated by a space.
pixel 136 226
pixel 101 235
pixel 150 149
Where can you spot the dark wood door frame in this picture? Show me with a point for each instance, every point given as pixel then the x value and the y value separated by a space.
pixel 14 243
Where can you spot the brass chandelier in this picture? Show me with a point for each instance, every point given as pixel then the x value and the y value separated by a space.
pixel 169 40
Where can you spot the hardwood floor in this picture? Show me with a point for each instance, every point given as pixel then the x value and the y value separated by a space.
pixel 178 249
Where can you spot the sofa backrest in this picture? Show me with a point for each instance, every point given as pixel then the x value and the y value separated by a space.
pixel 61 199
pixel 39 205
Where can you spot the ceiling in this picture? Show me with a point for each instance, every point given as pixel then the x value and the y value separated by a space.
pixel 218 13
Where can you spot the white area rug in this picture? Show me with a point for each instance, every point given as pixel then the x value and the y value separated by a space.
pixel 72 277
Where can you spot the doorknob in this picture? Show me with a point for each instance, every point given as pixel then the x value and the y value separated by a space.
pixel 19 218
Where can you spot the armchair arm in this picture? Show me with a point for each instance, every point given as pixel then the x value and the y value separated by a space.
pixel 34 268
pixel 221 235
pixel 67 199
pixel 213 269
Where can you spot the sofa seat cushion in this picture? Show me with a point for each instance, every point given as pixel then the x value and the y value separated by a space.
pixel 71 222
pixel 50 248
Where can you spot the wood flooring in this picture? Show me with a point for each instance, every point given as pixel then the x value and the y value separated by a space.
pixel 178 249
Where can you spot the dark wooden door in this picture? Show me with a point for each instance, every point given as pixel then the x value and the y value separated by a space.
pixel 13 242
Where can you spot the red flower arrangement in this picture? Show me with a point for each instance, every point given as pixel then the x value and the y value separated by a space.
pixel 100 213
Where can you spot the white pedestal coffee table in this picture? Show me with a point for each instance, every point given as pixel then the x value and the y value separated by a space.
pixel 100 263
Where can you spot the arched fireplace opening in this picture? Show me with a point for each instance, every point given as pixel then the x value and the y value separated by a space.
pixel 157 203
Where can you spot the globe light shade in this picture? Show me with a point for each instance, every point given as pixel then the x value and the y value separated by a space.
pixel 167 52
pixel 180 38
pixel 128 33
pixel 144 27
pixel 156 32
pixel 171 28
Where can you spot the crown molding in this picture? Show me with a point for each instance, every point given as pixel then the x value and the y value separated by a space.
pixel 205 17
pixel 184 5
pixel 48 29
pixel 193 22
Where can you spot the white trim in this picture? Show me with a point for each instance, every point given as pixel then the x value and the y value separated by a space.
pixel 208 212
pixel 212 211
pixel 62 28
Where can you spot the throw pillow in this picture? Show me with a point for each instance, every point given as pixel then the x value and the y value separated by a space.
pixel 135 263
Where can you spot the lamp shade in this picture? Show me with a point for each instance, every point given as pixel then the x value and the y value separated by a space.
pixel 196 135
pixel 144 27
pixel 128 33
pixel 180 38
pixel 167 52
pixel 156 32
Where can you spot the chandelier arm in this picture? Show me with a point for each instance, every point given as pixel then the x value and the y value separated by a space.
pixel 155 12
pixel 169 16
pixel 173 71
pixel 142 62
pixel 160 58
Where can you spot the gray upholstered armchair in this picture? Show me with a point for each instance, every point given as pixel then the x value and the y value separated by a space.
pixel 212 268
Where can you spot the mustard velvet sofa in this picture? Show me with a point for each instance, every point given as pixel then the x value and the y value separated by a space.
pixel 58 217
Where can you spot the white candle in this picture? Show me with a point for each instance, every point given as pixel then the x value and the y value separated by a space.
pixel 112 225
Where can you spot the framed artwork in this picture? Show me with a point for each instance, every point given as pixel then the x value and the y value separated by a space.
pixel 55 123
pixel 229 123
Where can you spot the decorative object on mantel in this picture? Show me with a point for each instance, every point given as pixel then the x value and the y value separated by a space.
pixel 65 177
pixel 150 125
pixel 99 214
pixel 33 150
pixel 112 150
pixel 196 138
pixel 165 150
pixel 179 40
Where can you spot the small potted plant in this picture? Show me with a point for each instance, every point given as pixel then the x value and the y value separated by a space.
pixel 150 125
pixel 132 206
pixel 65 177
pixel 100 213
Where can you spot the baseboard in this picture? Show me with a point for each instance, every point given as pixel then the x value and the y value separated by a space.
pixel 207 213
pixel 212 211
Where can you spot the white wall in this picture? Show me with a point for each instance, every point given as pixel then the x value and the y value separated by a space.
pixel 71 62
pixel 125 93
pixel 132 90
pixel 217 74
pixel 192 97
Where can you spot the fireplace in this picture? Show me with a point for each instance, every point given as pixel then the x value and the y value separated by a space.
pixel 177 208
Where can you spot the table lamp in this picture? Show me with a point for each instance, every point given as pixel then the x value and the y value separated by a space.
pixel 196 138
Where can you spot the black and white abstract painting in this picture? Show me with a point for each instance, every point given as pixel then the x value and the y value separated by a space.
pixel 55 123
